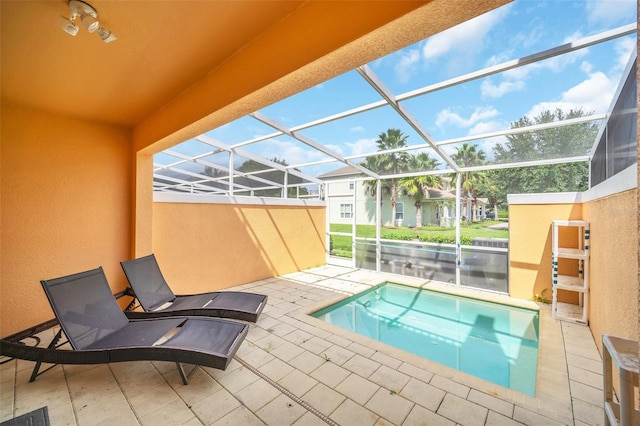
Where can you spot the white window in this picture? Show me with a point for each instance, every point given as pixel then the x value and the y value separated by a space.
pixel 351 184
pixel 346 211
pixel 400 211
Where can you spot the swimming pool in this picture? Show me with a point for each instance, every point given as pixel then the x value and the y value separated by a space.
pixel 495 342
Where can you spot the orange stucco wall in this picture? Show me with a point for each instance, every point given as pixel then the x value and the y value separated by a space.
pixel 204 247
pixel 66 200
pixel 273 67
pixel 530 247
pixel 613 283
pixel 613 307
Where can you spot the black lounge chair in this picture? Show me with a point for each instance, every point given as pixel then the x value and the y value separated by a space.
pixel 157 299
pixel 99 331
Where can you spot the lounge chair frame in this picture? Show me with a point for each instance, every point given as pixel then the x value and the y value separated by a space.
pixel 151 290
pixel 13 347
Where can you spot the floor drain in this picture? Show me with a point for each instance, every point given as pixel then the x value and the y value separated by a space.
pixel 285 391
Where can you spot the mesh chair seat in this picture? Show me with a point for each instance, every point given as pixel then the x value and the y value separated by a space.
pixel 158 300
pixel 100 332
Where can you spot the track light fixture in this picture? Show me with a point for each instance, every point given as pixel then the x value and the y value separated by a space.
pixel 88 15
pixel 106 35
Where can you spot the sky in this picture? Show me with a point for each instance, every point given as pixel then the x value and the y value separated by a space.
pixel 586 78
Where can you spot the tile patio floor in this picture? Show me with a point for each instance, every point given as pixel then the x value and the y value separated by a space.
pixel 348 379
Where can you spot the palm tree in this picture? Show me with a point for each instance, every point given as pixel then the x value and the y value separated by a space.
pixel 371 186
pixel 469 156
pixel 390 163
pixel 418 186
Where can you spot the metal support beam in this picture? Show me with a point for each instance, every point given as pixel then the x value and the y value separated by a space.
pixel 371 78
pixel 309 142
pixel 257 158
pixel 378 222
pixel 458 246
pixel 353 224
pixel 525 60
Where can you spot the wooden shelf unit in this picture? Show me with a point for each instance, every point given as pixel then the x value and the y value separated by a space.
pixel 576 283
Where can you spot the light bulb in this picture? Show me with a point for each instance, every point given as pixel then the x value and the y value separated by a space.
pixel 67 26
pixel 90 23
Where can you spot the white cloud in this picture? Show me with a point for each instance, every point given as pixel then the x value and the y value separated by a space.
pixel 623 48
pixel 596 92
pixel 593 94
pixel 487 145
pixel 296 153
pixel 608 12
pixel 520 73
pixel 335 148
pixel 586 67
pixel 446 116
pixel 463 41
pixel 559 63
pixel 490 90
pixel 362 146
pixel 529 39
pixel 486 127
pixel 499 58
pixel 466 37
pixel 519 40
pixel 515 79
pixel 576 35
pixel 291 152
pixel 556 64
pixel 407 65
pixel 357 129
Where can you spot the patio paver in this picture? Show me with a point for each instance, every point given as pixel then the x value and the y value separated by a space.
pixel 308 364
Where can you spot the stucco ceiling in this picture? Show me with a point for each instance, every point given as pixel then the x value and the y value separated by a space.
pixel 162 48
pixel 165 48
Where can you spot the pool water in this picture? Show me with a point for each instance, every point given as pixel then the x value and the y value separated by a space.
pixel 495 342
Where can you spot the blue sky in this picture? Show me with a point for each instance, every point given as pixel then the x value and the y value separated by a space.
pixel 585 79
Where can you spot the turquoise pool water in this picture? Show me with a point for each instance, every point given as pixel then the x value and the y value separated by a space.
pixel 495 342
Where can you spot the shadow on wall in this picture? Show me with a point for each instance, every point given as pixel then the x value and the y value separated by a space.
pixel 530 247
pixel 204 247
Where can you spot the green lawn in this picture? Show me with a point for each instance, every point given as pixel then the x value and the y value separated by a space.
pixel 341 246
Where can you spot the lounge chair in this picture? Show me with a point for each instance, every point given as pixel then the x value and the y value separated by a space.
pixel 157 299
pixel 99 331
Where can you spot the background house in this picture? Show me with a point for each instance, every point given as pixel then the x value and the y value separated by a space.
pixel 438 208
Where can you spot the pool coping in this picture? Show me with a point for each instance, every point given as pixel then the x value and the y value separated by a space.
pixel 552 396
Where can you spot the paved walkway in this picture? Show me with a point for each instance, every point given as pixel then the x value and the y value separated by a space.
pixel 311 373
pixel 499 226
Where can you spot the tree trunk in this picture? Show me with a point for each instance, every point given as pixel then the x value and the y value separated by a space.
pixel 393 202
pixel 474 206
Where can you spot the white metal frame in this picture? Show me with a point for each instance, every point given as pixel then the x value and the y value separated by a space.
pixel 174 178
pixel 174 183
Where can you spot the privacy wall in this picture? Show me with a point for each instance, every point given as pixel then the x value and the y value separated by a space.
pixel 65 207
pixel 613 307
pixel 610 209
pixel 530 247
pixel 204 247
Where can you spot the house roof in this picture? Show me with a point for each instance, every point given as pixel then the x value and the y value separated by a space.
pixel 342 171
pixel 435 193
pixel 439 194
